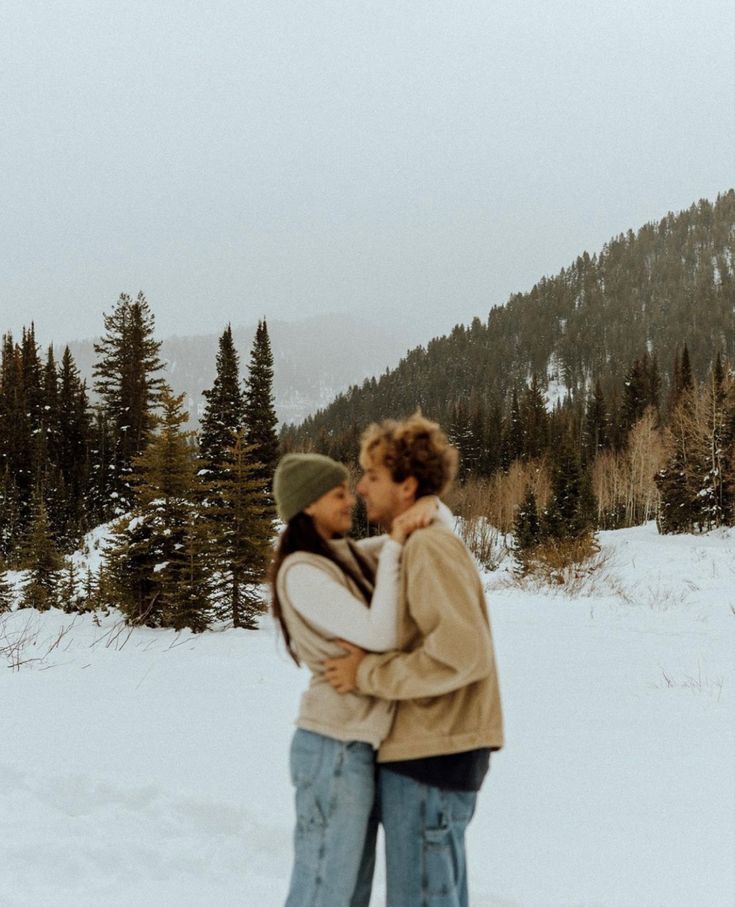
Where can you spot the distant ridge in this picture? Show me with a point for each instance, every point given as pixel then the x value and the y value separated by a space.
pixel 315 358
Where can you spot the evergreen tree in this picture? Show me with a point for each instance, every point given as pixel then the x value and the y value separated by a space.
pixel 6 591
pixel 90 590
pixel 150 562
pixel 72 456
pixel 260 413
pixel 641 390
pixel 681 377
pixel 478 452
pixel 224 412
pixel 696 484
pixel 464 439
pixel 126 381
pixel 595 424
pixel 101 468
pixel 240 533
pixel 492 446
pixel 51 428
pixel 526 531
pixel 677 512
pixel 11 524
pixel 686 369
pixel 48 440
pixel 512 432
pixel 42 560
pixel 534 420
pixel 69 593
pixel 571 510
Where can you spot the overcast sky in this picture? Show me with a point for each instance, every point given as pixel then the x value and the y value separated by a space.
pixel 412 160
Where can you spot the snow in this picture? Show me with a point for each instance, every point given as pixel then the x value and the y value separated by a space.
pixel 149 767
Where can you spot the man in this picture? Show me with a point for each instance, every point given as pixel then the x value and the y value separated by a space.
pixel 448 717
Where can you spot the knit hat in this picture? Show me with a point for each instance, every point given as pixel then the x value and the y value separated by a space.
pixel 301 478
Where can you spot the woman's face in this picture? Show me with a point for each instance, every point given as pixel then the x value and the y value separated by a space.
pixel 332 512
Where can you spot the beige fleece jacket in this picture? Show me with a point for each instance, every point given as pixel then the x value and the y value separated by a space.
pixel 444 676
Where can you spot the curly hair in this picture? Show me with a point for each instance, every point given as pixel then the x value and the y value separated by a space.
pixel 411 447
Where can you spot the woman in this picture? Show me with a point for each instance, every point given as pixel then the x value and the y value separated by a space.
pixel 327 587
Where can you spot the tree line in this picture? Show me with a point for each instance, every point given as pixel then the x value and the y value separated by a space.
pixel 191 516
pixel 553 476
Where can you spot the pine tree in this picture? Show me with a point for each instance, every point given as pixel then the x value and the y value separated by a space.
pixel 635 395
pixel 42 560
pixel 11 522
pixel 534 420
pixel 101 468
pixel 90 590
pixel 73 457
pixel 463 438
pixel 151 561
pixel 677 512
pixel 126 382
pixel 696 484
pixel 512 432
pixel 224 412
pixel 6 591
pixel 526 531
pixel 681 377
pixel 260 414
pixel 240 533
pixel 48 438
pixel 69 594
pixel 571 510
pixel 595 424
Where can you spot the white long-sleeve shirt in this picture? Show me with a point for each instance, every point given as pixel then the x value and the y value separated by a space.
pixel 332 609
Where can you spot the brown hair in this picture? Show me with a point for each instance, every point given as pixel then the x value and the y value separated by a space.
pixel 300 534
pixel 412 447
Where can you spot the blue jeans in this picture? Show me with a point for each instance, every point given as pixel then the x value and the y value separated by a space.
pixel 424 842
pixel 335 789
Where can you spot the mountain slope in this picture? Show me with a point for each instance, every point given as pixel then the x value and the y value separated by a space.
pixel 671 282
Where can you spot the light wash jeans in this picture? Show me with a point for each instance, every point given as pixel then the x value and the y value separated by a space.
pixel 424 842
pixel 335 789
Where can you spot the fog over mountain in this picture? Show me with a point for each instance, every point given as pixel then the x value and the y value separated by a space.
pixel 411 160
pixel 314 359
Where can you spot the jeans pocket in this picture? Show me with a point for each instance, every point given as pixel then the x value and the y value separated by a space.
pixel 461 806
pixel 439 872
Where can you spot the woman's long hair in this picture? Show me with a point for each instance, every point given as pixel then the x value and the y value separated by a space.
pixel 301 534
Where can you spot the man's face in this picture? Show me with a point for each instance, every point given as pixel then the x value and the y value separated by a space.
pixel 384 499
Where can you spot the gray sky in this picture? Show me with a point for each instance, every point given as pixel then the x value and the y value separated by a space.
pixel 410 159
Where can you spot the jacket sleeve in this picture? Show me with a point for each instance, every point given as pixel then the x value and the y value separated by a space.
pixel 455 648
pixel 330 607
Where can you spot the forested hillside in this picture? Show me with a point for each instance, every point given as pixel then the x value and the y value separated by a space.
pixel 603 397
pixel 652 291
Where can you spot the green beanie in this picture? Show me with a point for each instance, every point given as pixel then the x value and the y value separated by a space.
pixel 301 478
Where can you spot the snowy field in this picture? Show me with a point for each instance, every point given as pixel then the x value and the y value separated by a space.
pixel 150 768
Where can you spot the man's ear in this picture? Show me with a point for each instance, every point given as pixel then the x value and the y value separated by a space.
pixel 409 487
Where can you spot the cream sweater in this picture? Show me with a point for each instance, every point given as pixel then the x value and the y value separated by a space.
pixel 331 608
pixel 322 604
pixel 322 709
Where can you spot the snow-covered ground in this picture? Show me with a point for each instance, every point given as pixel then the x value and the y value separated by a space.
pixel 150 768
